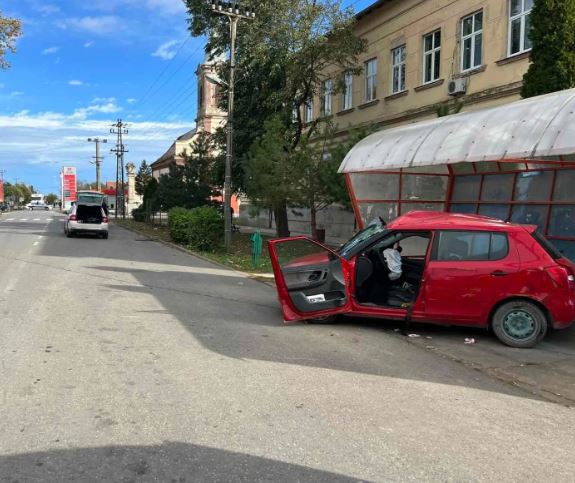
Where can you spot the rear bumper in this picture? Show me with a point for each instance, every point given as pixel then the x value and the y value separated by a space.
pixel 563 314
pixel 75 227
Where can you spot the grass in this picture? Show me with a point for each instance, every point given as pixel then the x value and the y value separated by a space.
pixel 239 258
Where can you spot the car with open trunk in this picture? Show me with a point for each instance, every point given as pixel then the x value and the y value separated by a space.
pixel 456 269
pixel 88 219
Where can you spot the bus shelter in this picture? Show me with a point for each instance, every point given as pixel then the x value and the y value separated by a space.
pixel 514 162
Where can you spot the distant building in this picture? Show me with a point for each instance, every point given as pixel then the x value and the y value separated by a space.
pixel 209 117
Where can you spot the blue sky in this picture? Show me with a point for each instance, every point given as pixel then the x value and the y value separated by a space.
pixel 81 65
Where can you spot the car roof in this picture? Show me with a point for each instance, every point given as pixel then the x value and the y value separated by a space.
pixel 438 220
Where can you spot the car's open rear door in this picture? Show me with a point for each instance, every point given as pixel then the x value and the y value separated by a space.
pixel 312 280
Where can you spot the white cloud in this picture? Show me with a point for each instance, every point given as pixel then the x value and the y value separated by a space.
pixel 89 44
pixel 96 25
pixel 131 100
pixel 166 50
pixel 50 50
pixel 49 140
pixel 47 9
pixel 103 99
pixel 75 82
pixel 85 112
pixel 16 94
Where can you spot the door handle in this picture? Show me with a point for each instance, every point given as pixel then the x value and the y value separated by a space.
pixel 499 273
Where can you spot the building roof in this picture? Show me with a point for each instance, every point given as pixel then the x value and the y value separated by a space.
pixel 367 10
pixel 536 128
pixel 439 220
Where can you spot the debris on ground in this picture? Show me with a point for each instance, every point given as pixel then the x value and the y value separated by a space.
pixel 413 336
pixel 470 341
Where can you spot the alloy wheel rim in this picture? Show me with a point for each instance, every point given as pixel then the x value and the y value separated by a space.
pixel 519 324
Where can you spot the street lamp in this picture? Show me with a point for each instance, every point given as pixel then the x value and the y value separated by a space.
pixel 234 13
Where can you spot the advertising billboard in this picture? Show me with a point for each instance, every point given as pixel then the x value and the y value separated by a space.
pixel 68 186
pixel 1 191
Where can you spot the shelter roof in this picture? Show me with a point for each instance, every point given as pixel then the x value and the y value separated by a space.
pixel 536 128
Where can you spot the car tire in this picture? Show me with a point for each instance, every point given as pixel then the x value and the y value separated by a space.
pixel 69 234
pixel 105 236
pixel 326 320
pixel 520 324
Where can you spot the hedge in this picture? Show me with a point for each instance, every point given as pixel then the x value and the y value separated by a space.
pixel 199 228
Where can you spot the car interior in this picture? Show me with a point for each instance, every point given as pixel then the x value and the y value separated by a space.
pixel 372 278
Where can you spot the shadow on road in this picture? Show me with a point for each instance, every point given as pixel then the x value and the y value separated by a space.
pixel 168 462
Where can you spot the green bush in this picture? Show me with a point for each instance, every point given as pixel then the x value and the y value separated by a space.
pixel 200 228
pixel 139 214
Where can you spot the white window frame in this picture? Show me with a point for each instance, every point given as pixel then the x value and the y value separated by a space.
pixel 370 90
pixel 347 95
pixel 433 52
pixel 402 85
pixel 327 96
pixel 521 17
pixel 308 110
pixel 472 36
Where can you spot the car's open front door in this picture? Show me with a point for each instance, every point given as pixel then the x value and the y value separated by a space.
pixel 312 280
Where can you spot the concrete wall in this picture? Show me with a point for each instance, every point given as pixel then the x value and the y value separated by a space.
pixel 338 222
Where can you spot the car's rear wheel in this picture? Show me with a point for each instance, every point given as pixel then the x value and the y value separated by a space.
pixel 69 234
pixel 520 324
pixel 105 236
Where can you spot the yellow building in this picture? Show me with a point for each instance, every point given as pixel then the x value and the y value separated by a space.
pixel 422 53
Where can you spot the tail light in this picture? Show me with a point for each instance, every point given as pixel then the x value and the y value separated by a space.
pixel 105 219
pixel 562 277
pixel 72 218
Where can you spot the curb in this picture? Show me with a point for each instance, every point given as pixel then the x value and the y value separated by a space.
pixel 261 278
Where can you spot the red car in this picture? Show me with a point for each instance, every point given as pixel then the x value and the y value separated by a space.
pixel 456 269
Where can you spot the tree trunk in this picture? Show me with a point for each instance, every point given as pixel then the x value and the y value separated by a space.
pixel 313 221
pixel 282 225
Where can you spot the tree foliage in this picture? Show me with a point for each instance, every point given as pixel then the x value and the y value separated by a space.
pixel 284 55
pixel 143 177
pixel 17 193
pixel 190 185
pixel 10 30
pixel 51 198
pixel 553 53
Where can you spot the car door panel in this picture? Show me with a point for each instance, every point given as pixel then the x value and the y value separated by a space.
pixel 311 279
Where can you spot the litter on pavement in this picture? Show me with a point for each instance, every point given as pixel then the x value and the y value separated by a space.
pixel 470 341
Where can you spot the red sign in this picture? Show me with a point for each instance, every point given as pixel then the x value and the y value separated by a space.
pixel 1 191
pixel 68 184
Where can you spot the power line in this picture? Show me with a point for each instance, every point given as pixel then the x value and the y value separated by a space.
pixel 119 128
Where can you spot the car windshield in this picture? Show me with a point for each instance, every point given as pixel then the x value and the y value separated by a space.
pixel 376 227
pixel 90 198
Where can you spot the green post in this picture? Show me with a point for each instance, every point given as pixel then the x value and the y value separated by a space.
pixel 257 245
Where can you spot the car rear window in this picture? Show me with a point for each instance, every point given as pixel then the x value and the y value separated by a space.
pixel 551 249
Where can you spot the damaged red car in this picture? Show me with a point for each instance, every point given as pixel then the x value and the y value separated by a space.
pixel 432 267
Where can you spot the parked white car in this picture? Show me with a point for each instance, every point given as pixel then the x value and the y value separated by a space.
pixel 37 205
pixel 89 219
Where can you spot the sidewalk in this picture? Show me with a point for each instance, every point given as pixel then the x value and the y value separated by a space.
pixel 331 241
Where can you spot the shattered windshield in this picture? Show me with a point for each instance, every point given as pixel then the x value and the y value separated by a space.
pixel 376 227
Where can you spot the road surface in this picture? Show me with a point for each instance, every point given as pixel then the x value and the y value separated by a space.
pixel 125 360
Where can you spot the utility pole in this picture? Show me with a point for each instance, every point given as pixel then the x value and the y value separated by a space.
pixel 98 158
pixel 119 129
pixel 234 14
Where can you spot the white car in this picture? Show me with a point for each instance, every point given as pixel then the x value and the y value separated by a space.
pixel 87 218
pixel 37 205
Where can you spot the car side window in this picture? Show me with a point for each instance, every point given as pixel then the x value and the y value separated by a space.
pixel 470 246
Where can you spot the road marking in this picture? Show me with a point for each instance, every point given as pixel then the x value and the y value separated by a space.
pixel 36 243
pixel 23 219
pixel 10 219
pixel 36 219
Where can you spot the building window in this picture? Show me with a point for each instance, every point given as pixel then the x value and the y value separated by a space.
pixel 309 110
pixel 398 56
pixel 471 41
pixel 326 98
pixel 519 26
pixel 370 80
pixel 347 100
pixel 431 56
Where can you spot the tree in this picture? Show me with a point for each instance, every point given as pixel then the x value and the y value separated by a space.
pixel 553 53
pixel 10 30
pixel 143 177
pixel 284 55
pixel 86 185
pixel 17 193
pixel 190 185
pixel 51 199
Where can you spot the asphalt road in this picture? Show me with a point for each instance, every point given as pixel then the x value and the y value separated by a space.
pixel 125 360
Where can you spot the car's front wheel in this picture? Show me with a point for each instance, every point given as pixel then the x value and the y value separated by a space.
pixel 520 324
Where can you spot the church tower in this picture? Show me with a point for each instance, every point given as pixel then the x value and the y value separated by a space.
pixel 209 117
